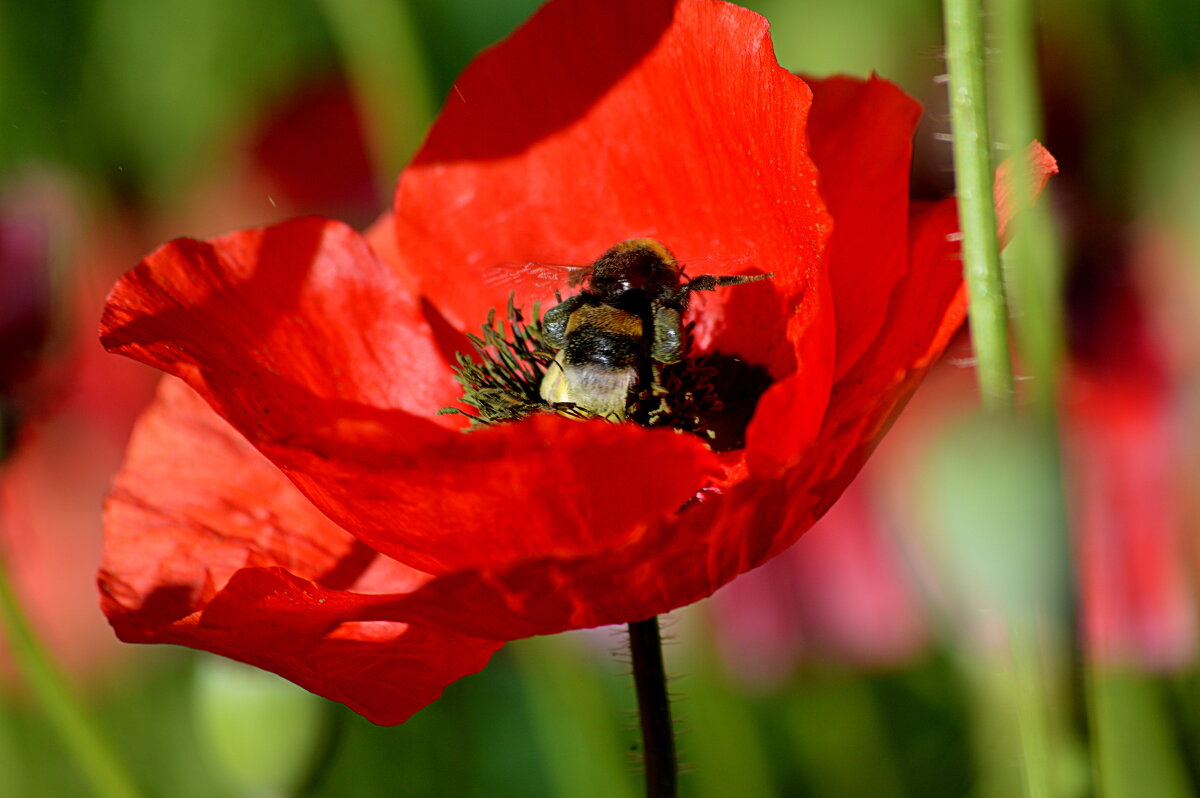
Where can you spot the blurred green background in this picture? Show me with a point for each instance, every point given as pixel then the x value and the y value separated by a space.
pixel 872 662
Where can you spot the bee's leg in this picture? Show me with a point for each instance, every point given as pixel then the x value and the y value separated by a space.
pixel 667 346
pixel 657 389
pixel 710 282
pixel 554 323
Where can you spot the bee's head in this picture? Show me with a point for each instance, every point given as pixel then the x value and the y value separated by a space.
pixel 640 264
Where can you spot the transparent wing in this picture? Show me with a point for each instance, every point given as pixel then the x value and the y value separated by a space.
pixel 534 281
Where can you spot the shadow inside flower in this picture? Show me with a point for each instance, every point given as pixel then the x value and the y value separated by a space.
pixel 350 568
pixel 165 604
pixel 738 385
pixel 754 323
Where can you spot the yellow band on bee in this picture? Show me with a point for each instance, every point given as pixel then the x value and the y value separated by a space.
pixel 658 249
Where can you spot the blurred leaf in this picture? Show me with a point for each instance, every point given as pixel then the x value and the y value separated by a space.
pixel 41 57
pixel 147 713
pixel 990 499
pixel 718 740
pixel 1136 752
pixel 166 82
pixel 1166 166
pixel 456 30
pixel 896 38
pixel 476 741
pixel 577 727
pixel 992 509
pixel 263 732
pixel 833 713
pixel 384 56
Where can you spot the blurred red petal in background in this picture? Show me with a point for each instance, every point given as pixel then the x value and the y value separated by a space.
pixel 29 208
pixel 1121 430
pixel 1121 437
pixel 75 412
pixel 304 152
pixel 841 594
pixel 312 150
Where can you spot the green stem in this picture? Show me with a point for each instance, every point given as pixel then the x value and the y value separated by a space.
pixel 579 738
pixel 1033 262
pixel 974 170
pixel 99 763
pixel 976 209
pixel 1032 700
pixel 1034 272
pixel 654 709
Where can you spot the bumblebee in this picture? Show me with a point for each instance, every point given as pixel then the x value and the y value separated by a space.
pixel 627 317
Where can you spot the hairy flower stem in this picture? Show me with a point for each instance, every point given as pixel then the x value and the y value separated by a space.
pixel 973 174
pixel 654 709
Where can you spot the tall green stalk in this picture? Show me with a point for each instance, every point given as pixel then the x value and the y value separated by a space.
pixel 973 169
pixel 99 763
pixel 1033 272
pixel 1031 684
pixel 1032 261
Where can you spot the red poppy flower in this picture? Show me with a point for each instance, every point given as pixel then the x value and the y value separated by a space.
pixel 372 552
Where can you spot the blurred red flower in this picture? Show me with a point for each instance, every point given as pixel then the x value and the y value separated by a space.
pixel 1120 442
pixel 370 551
pixel 311 149
pixel 25 305
pixel 69 418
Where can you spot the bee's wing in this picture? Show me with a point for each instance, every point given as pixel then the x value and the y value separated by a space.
pixel 534 281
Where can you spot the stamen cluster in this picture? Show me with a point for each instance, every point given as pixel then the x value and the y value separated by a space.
pixel 501 383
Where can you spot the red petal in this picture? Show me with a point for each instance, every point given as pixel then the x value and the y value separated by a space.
pixel 381 235
pixel 1119 439
pixel 788 416
pixel 226 508
pixel 599 121
pixel 715 540
pixel 861 135
pixel 673 564
pixel 218 551
pixel 302 311
pixel 384 670
pixel 1041 166
pixel 928 306
pixel 304 341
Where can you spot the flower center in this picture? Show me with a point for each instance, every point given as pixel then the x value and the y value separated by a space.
pixel 518 373
pixel 618 350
